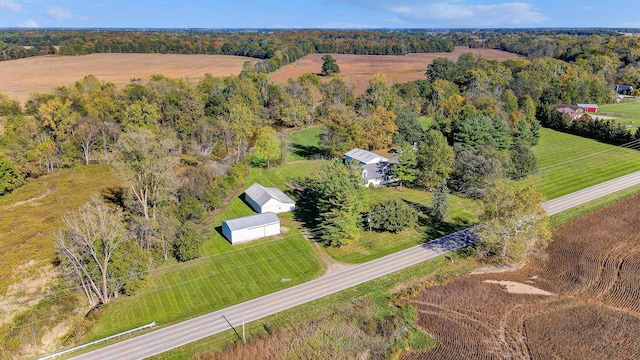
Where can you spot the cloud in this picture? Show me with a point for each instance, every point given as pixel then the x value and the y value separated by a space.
pixel 587 8
pixel 58 13
pixel 456 13
pixel 10 5
pixel 29 24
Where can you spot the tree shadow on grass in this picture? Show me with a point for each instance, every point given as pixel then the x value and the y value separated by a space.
pixel 307 151
pixel 115 195
pixel 436 229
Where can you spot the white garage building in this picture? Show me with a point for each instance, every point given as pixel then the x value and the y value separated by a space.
pixel 251 227
pixel 263 199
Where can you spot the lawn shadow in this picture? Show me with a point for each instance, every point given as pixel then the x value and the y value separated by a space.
pixel 437 229
pixel 218 229
pixel 308 152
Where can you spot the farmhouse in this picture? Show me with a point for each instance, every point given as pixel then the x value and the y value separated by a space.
pixel 251 227
pixel 376 169
pixel 364 157
pixel 263 199
pixel 574 112
pixel 590 108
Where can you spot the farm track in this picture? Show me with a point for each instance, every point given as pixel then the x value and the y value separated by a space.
pixel 593 269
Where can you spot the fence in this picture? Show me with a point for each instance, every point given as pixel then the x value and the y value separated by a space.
pixel 98 341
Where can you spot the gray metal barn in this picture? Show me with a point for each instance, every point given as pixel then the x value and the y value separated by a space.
pixel 251 227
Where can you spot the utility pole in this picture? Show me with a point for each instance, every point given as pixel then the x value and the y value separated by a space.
pixel 244 340
pixel 370 238
pixel 233 328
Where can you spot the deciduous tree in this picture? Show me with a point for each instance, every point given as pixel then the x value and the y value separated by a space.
pixel 97 251
pixel 435 159
pixel 514 225
pixel 329 65
pixel 393 216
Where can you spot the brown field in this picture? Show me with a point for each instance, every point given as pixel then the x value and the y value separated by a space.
pixel 357 70
pixel 18 78
pixel 593 311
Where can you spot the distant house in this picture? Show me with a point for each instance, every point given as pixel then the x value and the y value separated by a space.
pixel 251 227
pixel 574 112
pixel 376 169
pixel 623 89
pixel 263 199
pixel 590 108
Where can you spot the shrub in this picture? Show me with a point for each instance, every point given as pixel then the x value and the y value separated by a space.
pixel 392 216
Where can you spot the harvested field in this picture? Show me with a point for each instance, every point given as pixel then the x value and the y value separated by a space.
pixel 591 310
pixel 357 70
pixel 43 74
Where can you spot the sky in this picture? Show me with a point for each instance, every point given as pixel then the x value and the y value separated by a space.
pixel 243 14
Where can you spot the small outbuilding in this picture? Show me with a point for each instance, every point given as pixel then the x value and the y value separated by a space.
pixel 251 227
pixel 263 199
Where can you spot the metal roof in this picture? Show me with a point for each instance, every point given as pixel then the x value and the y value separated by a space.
pixel 261 195
pixel 364 156
pixel 252 221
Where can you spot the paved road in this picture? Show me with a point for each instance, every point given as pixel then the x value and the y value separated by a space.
pixel 591 193
pixel 173 336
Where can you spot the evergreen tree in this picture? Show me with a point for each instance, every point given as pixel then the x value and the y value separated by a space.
pixel 440 203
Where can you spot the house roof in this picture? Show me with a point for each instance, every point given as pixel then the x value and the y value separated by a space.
pixel 567 107
pixel 364 156
pixel 588 105
pixel 624 87
pixel 261 195
pixel 252 221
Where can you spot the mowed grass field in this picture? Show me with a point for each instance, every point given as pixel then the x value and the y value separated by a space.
pixel 626 111
pixel 357 70
pixel 42 74
pixel 568 163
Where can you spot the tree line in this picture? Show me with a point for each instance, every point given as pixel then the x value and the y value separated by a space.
pixel 287 45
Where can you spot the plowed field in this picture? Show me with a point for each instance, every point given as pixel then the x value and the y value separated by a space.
pixel 357 70
pixel 18 78
pixel 593 311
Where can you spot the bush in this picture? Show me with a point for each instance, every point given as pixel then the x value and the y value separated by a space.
pixel 392 216
pixel 10 176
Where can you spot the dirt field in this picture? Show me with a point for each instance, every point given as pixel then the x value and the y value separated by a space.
pixel 18 78
pixel 590 308
pixel 358 69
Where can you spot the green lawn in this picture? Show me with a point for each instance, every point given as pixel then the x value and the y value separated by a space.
pixel 569 163
pixel 626 111
pixel 426 121
pixel 305 144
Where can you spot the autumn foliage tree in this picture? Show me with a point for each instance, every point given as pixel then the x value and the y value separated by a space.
pixel 514 225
